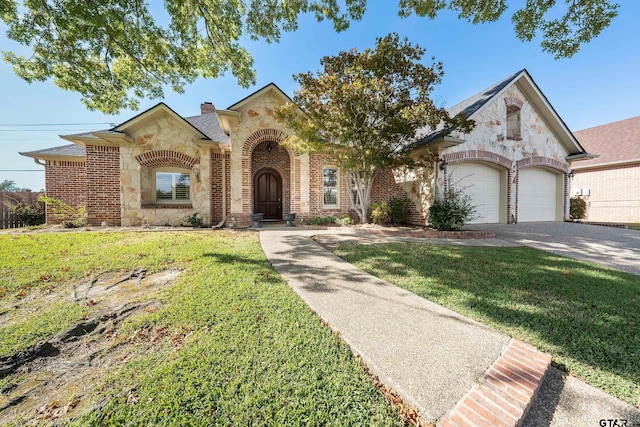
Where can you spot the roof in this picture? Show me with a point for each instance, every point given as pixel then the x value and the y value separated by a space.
pixel 265 89
pixel 470 106
pixel 615 142
pixel 209 125
pixel 70 150
pixel 474 103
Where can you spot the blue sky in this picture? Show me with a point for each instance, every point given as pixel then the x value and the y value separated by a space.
pixel 599 85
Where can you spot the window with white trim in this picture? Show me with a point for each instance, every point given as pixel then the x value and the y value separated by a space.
pixel 172 186
pixel 330 186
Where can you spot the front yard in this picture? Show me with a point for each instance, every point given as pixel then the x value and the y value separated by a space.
pixel 586 316
pixel 217 338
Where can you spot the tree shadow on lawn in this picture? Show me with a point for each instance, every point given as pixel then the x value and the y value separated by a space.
pixel 566 307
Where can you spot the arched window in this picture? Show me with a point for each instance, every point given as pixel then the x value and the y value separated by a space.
pixel 514 129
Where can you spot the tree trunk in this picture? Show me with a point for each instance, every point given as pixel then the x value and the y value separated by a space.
pixel 362 185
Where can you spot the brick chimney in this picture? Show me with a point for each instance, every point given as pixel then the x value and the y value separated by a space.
pixel 207 108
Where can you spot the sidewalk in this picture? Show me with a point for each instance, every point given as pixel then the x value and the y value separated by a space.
pixel 453 370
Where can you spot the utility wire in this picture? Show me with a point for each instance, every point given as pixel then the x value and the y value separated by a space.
pixel 57 124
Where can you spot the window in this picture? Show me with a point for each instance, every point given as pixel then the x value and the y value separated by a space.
pixel 513 124
pixel 172 187
pixel 330 186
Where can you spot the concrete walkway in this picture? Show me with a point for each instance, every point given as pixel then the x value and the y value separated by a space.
pixel 452 370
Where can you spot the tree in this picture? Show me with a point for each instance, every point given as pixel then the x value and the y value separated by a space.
pixel 116 52
pixel 364 109
pixel 8 186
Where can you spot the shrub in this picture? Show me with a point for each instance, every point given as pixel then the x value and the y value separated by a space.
pixel 395 211
pixel 322 220
pixel 380 213
pixel 452 210
pixel 398 210
pixel 71 217
pixel 344 220
pixel 577 208
pixel 195 220
pixel 28 210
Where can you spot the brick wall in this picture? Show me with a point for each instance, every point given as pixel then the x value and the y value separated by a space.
pixel 65 181
pixel 217 187
pixel 103 185
pixel 385 188
pixel 614 193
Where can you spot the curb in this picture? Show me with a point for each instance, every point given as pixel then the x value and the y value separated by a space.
pixel 505 391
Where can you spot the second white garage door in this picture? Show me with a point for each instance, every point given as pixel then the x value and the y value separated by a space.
pixel 537 195
pixel 482 184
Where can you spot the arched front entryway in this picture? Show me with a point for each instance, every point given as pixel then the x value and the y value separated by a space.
pixel 267 193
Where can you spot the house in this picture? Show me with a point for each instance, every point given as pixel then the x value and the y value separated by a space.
pixel 224 164
pixel 610 183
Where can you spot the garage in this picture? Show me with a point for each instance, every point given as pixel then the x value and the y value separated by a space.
pixel 537 195
pixel 483 183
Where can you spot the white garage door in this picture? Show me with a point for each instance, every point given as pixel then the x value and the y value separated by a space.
pixel 537 195
pixel 482 183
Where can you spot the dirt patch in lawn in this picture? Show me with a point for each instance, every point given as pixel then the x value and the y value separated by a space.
pixel 54 378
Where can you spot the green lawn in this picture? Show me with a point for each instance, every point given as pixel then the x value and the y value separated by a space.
pixel 587 317
pixel 252 353
pixel 634 226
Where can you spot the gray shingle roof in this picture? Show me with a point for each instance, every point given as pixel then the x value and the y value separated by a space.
pixel 71 150
pixel 209 125
pixel 468 107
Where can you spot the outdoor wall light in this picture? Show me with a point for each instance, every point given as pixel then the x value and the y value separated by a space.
pixel 443 165
pixel 571 173
pixel 269 147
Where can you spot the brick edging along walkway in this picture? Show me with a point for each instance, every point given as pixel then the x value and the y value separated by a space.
pixel 506 390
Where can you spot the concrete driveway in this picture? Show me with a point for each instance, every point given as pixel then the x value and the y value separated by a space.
pixel 607 246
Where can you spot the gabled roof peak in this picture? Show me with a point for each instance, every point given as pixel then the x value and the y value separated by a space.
pixel 269 87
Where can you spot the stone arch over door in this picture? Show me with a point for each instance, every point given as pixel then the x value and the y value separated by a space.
pixel 264 149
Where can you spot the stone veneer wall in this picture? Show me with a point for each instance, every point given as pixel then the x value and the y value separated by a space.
pixel 489 136
pixel 165 142
pixel 103 185
pixel 614 192
pixel 65 181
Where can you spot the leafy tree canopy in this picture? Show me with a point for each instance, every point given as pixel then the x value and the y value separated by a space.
pixel 8 186
pixel 116 52
pixel 365 108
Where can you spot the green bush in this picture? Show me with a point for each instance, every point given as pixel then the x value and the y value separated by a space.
pixel 344 220
pixel 398 210
pixel 452 210
pixel 322 220
pixel 194 220
pixel 380 213
pixel 395 211
pixel 30 212
pixel 577 208
pixel 71 217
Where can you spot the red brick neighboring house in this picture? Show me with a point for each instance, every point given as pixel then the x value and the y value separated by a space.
pixel 224 164
pixel 610 183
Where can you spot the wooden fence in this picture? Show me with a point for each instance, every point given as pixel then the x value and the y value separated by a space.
pixel 7 218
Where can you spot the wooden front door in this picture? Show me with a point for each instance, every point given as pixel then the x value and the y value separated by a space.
pixel 267 194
